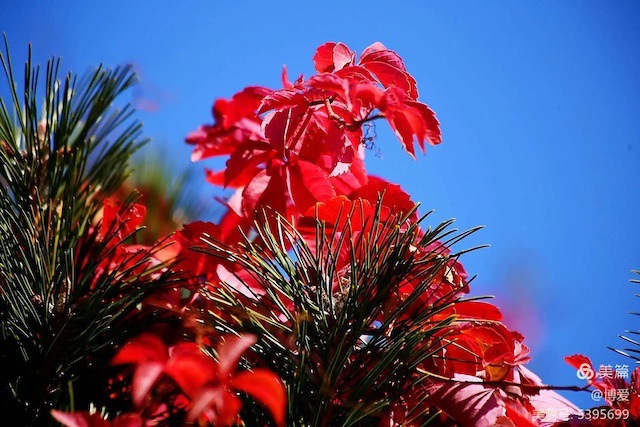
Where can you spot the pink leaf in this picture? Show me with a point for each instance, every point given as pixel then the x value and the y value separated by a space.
pixel 240 281
pixel 225 405
pixel 551 401
pixel 374 47
pixel 230 351
pixel 144 378
pixel 469 404
pixel 342 56
pixel 79 419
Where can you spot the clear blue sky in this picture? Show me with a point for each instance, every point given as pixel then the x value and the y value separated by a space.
pixel 539 104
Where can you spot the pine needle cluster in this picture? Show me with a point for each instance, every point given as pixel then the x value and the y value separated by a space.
pixel 64 149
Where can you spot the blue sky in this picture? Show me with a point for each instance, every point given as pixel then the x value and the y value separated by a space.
pixel 538 101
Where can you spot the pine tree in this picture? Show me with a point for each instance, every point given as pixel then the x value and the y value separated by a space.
pixel 64 150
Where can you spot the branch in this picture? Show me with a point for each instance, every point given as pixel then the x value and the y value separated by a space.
pixel 343 123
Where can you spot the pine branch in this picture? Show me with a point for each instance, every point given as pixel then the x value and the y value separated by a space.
pixel 631 352
pixel 62 313
pixel 346 354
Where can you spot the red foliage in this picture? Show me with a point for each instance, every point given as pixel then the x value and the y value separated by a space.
pixel 299 151
pixel 183 373
pixel 293 147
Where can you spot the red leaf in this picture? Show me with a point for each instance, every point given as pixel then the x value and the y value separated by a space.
pixel 244 104
pixel 285 78
pixel 403 130
pixel 230 351
pixel 518 416
pixel 329 82
pixel 215 178
pixel 427 124
pixel 578 360
pixel 243 164
pixel 210 142
pixel 233 226
pixel 283 128
pixel 267 388
pixel 191 235
pixel 477 310
pixel 308 184
pixel 393 196
pixel 123 221
pixel 356 74
pixel 281 99
pixel 143 348
pixel 190 368
pixel 392 76
pixel 336 211
pixel 323 58
pixel 346 182
pixel 267 190
pixel 377 52
pixel 253 191
pixel 364 98
pixel 332 56
pixel 583 365
pixel 307 146
pixel 408 118
pixel 84 419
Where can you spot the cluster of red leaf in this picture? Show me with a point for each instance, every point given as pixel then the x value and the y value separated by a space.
pixel 181 382
pixel 299 152
pixel 294 147
pixel 182 378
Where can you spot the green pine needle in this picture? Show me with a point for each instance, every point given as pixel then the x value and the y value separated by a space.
pixel 316 344
pixel 64 148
